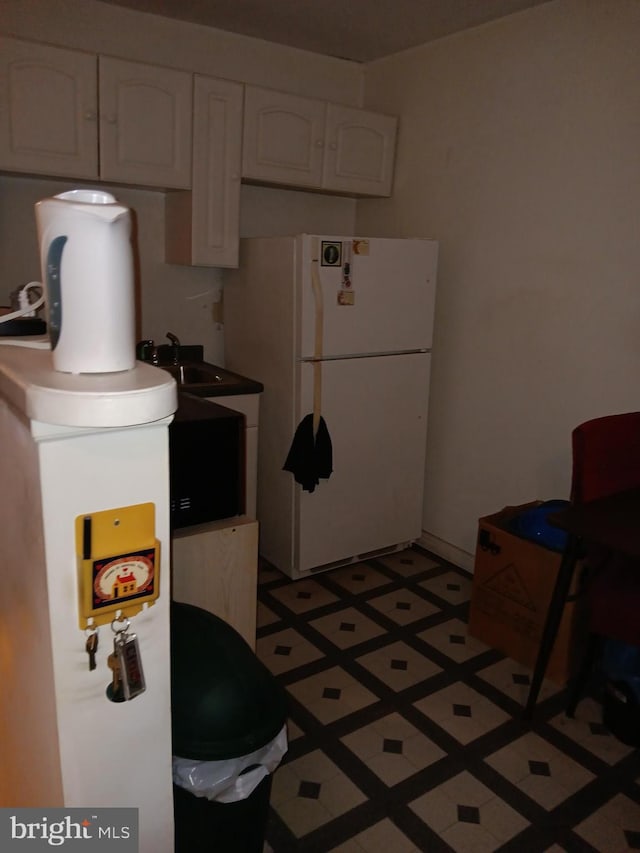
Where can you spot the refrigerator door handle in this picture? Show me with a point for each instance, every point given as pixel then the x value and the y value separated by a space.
pixel 348 355
pixel 317 349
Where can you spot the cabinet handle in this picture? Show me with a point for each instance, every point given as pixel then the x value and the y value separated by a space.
pixel 90 115
pixel 319 143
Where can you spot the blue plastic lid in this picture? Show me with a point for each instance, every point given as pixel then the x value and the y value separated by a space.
pixel 533 524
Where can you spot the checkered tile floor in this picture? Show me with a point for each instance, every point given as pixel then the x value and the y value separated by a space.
pixel 405 733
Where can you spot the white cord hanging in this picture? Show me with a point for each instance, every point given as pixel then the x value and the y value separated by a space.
pixel 28 308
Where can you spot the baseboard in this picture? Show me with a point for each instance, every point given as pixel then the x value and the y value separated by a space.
pixel 451 553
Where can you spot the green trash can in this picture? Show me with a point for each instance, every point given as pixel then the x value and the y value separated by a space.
pixel 225 705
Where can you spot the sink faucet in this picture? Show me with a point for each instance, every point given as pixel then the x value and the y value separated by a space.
pixel 146 351
pixel 175 342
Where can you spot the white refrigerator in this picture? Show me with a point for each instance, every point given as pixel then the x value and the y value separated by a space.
pixel 339 327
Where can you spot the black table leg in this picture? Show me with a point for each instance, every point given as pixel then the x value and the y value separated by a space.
pixel 552 622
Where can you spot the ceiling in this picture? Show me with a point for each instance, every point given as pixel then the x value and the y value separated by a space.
pixel 359 30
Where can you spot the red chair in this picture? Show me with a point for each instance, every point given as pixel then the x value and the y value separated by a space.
pixel 606 460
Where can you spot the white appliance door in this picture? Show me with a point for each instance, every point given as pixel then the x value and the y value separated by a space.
pixel 388 305
pixel 376 413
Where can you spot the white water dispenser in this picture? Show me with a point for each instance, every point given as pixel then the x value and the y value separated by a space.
pixel 87 273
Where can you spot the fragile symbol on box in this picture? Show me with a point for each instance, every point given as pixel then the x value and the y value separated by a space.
pixel 509 584
pixel 495 607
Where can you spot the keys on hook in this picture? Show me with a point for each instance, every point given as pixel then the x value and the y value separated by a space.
pixel 114 690
pixel 127 674
pixel 91 647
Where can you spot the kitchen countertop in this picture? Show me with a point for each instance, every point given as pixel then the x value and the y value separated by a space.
pixel 131 397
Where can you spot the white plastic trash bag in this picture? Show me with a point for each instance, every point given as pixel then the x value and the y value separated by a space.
pixel 225 781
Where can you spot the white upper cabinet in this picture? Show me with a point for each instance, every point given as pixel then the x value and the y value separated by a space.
pixel 48 110
pixel 145 124
pixel 302 142
pixel 359 152
pixel 202 225
pixel 71 114
pixel 283 141
pixel 50 122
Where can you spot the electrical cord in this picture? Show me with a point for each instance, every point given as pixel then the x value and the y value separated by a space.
pixel 27 308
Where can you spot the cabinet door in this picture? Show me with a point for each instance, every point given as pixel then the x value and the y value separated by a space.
pixel 48 106
pixel 359 151
pixel 215 566
pixel 283 138
pixel 145 124
pixel 202 225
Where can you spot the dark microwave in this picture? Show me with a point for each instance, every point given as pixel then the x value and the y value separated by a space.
pixel 206 462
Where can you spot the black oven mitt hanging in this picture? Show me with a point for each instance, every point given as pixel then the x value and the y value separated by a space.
pixel 310 458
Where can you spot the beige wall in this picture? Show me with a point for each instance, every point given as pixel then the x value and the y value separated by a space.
pixel 179 299
pixel 519 150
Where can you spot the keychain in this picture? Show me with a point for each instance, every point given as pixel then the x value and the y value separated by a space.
pixel 91 646
pixel 127 674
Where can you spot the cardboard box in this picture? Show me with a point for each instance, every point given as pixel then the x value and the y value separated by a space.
pixel 512 585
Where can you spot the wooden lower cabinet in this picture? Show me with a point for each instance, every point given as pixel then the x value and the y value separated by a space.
pixel 215 566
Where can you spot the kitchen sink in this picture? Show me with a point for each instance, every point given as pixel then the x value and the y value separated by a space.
pixel 200 374
pixel 203 379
